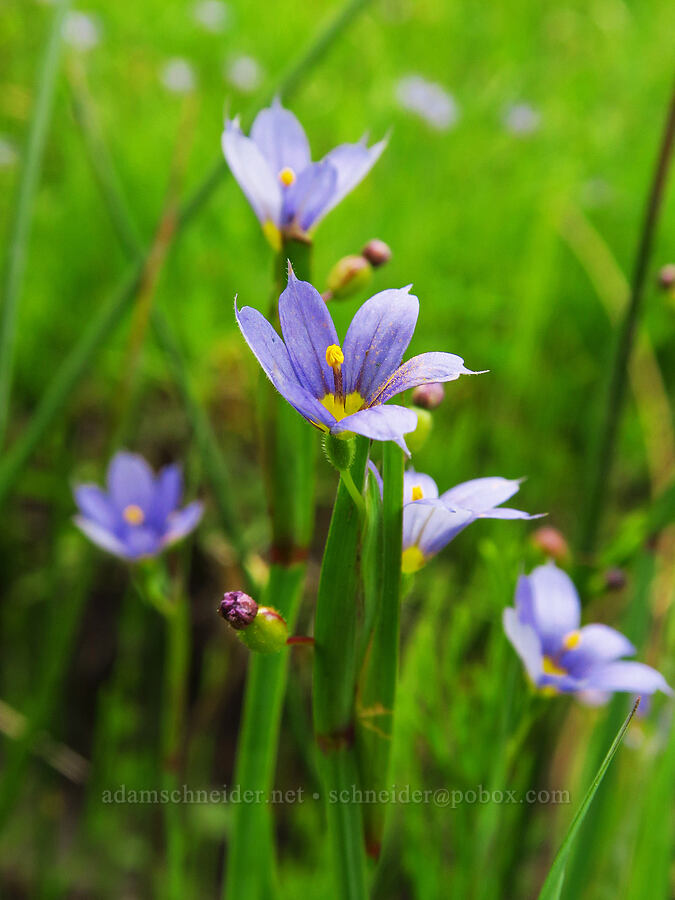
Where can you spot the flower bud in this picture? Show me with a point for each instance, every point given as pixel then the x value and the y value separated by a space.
pixel 428 396
pixel 551 542
pixel 615 579
pixel 667 277
pixel 417 439
pixel 238 609
pixel 348 276
pixel 377 253
pixel 267 633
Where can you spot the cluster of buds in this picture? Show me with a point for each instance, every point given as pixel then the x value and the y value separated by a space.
pixel 261 628
pixel 353 272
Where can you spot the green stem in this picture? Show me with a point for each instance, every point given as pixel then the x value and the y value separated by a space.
pixel 20 228
pixel 606 444
pixel 176 666
pixel 354 492
pixel 377 689
pixel 334 685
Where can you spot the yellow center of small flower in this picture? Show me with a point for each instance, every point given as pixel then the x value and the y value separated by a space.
pixel 334 356
pixel 133 514
pixel 287 176
pixel 412 560
pixel 550 667
pixel 572 640
pixel 417 492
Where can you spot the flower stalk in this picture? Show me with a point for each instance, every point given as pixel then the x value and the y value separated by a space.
pixel 335 664
pixel 377 687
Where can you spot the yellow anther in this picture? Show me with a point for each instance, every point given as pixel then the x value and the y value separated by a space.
pixel 334 356
pixel 287 176
pixel 417 492
pixel 572 640
pixel 133 514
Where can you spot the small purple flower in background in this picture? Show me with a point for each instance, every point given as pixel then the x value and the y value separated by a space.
pixel 559 655
pixel 430 522
pixel 213 15
pixel 178 76
pixel 521 119
pixel 81 31
pixel 138 515
pixel 288 192
pixel 428 100
pixel 342 390
pixel 244 73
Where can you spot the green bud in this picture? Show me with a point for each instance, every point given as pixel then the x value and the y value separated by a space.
pixel 267 633
pixel 339 450
pixel 417 439
pixel 348 276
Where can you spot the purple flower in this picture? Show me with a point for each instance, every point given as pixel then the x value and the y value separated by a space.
pixel 561 656
pixel 288 192
pixel 138 515
pixel 430 522
pixel 342 390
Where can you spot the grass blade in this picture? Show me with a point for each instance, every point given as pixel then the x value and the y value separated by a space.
pixel 555 879
pixel 20 228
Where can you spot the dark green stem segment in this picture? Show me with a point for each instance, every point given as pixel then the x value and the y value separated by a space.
pixel 606 443
pixel 289 463
pixel 176 665
pixel 152 582
pixel 334 684
pixel 376 695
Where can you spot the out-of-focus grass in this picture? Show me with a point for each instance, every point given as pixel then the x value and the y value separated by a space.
pixel 473 215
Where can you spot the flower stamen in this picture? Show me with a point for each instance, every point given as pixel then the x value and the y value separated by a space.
pixel 417 492
pixel 335 357
pixel 571 640
pixel 287 176
pixel 133 514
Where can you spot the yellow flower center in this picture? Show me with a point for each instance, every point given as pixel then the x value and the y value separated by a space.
pixel 343 407
pixel 133 514
pixel 412 560
pixel 417 492
pixel 572 640
pixel 334 356
pixel 287 176
pixel 550 667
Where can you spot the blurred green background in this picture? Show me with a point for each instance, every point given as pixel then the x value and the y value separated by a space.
pixel 512 200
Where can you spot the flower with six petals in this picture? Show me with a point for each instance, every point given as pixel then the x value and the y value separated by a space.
pixel 288 192
pixel 138 515
pixel 558 655
pixel 342 389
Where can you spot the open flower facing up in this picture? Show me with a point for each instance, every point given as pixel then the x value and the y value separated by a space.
pixel 430 522
pixel 559 655
pixel 288 192
pixel 138 515
pixel 342 390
